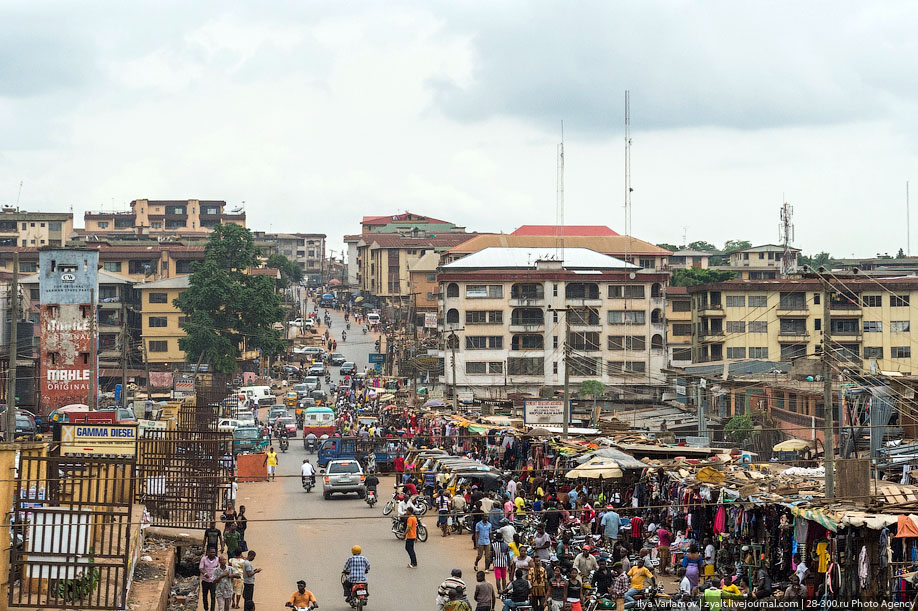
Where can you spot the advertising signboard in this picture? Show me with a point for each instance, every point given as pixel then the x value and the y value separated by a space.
pixel 430 320
pixel 99 439
pixel 377 358
pixel 543 411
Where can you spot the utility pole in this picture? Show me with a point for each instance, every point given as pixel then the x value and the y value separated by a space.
pixel 567 375
pixel 10 424
pixel 453 340
pixel 828 434
pixel 146 363
pixel 124 350
pixel 93 347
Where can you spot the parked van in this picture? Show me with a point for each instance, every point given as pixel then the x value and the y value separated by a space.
pixel 260 394
pixel 373 318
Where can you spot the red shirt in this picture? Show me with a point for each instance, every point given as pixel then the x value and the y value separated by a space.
pixel 399 464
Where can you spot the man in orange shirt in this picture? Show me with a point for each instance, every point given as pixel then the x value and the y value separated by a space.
pixel 411 535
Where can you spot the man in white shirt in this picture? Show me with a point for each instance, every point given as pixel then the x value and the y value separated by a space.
pixel 801 569
pixel 487 503
pixel 511 489
pixel 709 552
pixel 507 530
pixel 307 470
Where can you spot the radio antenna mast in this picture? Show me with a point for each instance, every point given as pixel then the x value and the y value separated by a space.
pixel 628 188
pixel 18 195
pixel 786 234
pixel 559 212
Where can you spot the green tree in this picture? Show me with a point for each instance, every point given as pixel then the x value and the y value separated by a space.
pixel 290 271
pixel 822 259
pixel 224 304
pixel 739 428
pixel 734 245
pixel 692 276
pixel 592 388
pixel 701 245
pixel 671 247
pixel 900 254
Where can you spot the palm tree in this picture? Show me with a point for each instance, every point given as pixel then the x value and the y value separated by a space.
pixel 594 388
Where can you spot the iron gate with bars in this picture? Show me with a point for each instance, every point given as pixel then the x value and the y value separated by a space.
pixel 71 533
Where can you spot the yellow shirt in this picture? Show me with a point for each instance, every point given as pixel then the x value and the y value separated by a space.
pixel 520 506
pixel 732 589
pixel 302 600
pixel 272 459
pixel 514 549
pixel 638 575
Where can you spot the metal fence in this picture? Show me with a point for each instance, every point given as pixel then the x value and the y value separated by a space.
pixel 183 476
pixel 71 533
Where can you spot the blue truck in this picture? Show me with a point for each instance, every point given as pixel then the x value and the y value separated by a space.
pixel 346 448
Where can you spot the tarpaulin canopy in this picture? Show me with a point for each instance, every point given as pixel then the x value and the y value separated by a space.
pixel 595 468
pixel 623 460
pixel 793 445
pixel 907 527
pixel 815 514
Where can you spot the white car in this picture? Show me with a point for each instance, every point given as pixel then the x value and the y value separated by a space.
pixel 227 425
pixel 309 323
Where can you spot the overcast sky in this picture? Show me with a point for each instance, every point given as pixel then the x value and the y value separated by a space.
pixel 315 114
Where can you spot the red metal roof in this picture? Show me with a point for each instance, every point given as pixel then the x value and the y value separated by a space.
pixel 569 230
pixel 396 218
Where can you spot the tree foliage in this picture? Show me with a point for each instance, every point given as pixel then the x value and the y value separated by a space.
pixel 693 276
pixel 290 271
pixel 822 259
pixel 592 388
pixel 671 247
pixel 701 245
pixel 224 304
pixel 734 245
pixel 740 428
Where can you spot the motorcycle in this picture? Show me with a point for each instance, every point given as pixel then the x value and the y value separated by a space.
pixel 371 498
pixel 284 444
pixel 343 336
pixel 310 445
pixel 358 596
pixel 398 529
pixel 309 483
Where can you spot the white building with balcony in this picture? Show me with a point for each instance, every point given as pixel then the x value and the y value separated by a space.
pixel 508 314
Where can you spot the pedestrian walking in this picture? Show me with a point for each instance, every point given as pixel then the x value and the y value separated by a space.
pixel 206 568
pixel 411 536
pixel 236 562
pixel 271 462
pixel 248 578
pixel 224 576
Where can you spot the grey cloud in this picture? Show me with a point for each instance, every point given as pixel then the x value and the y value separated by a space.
pixel 737 65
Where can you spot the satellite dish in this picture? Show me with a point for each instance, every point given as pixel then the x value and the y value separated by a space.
pixel 632 275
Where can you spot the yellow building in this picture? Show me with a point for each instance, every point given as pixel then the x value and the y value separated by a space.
pixel 678 326
pixel 781 320
pixel 34 229
pixel 422 284
pixel 154 261
pixel 161 321
pixel 191 216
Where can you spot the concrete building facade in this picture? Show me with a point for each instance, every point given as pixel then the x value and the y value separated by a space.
pixel 678 326
pixel 150 217
pixel 162 323
pixel 34 229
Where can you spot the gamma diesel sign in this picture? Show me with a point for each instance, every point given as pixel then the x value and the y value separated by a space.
pixel 99 439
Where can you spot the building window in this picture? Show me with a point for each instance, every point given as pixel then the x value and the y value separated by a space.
pixel 758 301
pixel 581 290
pixel 758 352
pixel 484 291
pixel 112 266
pixel 626 342
pixel 554 290
pixel 586 340
pixel 158 346
pixel 175 210
pixel 584 365
pixel 484 317
pixel 157 322
pixel 452 316
pixel 682 329
pixel 628 291
pixel 792 301
pixel 430 277
pixel 793 326
pixel 682 305
pixel 452 289
pixel 873 352
pixel 159 225
pixel 103 224
pixel 736 326
pixel 873 326
pixel 629 317
pixel 792 351
pixel 527 291
pixel 626 367
pixel 902 352
pixel 736 353
pixel 476 367
pixel 845 326
pixel 484 342
pixel 872 301
pixel 159 298
pixel 647 263
pixel 35 294
pixel 184 266
pixel 137 266
pixel 899 326
pixel 527 342
pixel 176 223
pixel 495 367
pixel 583 316
pixel 28 267
pixel 682 354
pixel 898 301
pixel 758 326
pixel 529 366
pixel 182 321
pixel 736 301
pixel 526 316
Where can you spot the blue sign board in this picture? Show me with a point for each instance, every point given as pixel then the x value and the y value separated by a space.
pixel 377 358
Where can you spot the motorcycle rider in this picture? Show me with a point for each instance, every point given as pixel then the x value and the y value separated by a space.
pixel 344 336
pixel 371 483
pixel 312 441
pixel 307 470
pixel 356 568
pixel 403 506
pixel 282 437
pixel 302 598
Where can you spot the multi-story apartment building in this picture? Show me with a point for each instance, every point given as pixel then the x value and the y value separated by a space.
pixel 34 229
pixel 306 249
pixel 423 286
pixel 760 262
pixel 629 249
pixel 686 258
pixel 783 320
pixel 149 261
pixel 151 217
pixel 162 323
pixel 678 326
pixel 505 313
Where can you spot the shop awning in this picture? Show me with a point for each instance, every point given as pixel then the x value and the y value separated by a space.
pixel 595 468
pixel 814 514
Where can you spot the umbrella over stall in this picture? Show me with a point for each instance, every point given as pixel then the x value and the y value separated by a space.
pixel 595 468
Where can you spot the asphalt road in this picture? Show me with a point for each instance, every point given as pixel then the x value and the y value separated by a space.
pixel 310 538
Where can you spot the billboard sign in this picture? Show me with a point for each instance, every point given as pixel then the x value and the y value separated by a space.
pixel 99 439
pixel 377 358
pixel 430 320
pixel 543 411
